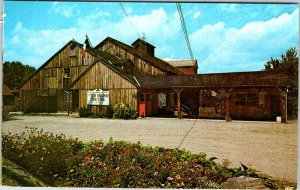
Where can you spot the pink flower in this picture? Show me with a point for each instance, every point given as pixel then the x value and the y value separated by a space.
pixel 178 176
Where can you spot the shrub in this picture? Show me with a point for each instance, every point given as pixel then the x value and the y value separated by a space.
pixel 124 111
pixel 122 164
pixel 118 164
pixel 42 153
pixel 84 112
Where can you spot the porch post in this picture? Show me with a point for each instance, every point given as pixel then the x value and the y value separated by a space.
pixel 178 105
pixel 283 107
pixel 178 92
pixel 227 106
pixel 283 103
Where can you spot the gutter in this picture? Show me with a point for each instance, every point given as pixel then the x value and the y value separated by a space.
pixel 136 80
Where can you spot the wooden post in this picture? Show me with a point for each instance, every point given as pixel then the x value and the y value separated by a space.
pixel 283 107
pixel 178 92
pixel 283 103
pixel 227 108
pixel 178 106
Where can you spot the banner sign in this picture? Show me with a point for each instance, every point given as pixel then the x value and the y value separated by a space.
pixel 98 97
pixel 162 100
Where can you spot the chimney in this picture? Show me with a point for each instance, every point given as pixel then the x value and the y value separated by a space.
pixel 143 47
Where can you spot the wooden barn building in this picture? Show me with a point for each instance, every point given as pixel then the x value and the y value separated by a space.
pixel 80 75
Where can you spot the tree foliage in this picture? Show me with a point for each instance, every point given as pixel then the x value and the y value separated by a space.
pixel 288 62
pixel 14 73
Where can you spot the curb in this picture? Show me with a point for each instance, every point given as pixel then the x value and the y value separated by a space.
pixel 20 175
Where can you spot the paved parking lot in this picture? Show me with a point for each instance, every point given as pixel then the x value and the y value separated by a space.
pixel 266 146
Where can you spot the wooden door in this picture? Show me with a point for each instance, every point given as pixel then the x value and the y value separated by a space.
pixel 142 105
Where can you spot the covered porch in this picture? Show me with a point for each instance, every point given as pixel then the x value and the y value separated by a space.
pixel 242 96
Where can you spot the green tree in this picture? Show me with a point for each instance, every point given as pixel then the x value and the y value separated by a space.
pixel 14 73
pixel 288 62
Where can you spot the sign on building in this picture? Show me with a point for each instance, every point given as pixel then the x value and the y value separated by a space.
pixel 98 97
pixel 162 100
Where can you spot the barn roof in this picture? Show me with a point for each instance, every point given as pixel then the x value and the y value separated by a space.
pixel 159 63
pixel 143 41
pixel 236 79
pixel 42 66
pixel 113 63
pixel 183 63
pixel 6 91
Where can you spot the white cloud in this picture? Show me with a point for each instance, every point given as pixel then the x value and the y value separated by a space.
pixel 196 15
pixel 63 10
pixel 218 47
pixel 246 48
pixel 37 46
pixel 228 7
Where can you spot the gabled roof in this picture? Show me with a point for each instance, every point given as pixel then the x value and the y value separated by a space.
pixel 219 80
pixel 50 59
pixel 105 58
pixel 111 62
pixel 183 63
pixel 159 63
pixel 143 41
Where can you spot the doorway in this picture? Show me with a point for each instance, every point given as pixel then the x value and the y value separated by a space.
pixel 145 105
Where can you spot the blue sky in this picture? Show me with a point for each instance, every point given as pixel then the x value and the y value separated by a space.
pixel 224 37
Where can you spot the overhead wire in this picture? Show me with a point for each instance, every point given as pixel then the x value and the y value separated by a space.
pixel 184 30
pixel 125 12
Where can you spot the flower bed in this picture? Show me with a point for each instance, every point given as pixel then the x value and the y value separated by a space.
pixel 63 161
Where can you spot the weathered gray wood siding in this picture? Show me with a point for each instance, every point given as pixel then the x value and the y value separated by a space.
pixel 102 77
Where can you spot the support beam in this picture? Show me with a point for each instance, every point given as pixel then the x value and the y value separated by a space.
pixel 283 107
pixel 178 92
pixel 227 109
pixel 283 103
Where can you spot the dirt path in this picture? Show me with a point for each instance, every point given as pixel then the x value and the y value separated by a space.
pixel 267 146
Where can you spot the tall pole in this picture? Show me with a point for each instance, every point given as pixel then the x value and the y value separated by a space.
pixel 185 30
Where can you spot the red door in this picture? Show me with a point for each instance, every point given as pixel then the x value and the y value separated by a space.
pixel 142 106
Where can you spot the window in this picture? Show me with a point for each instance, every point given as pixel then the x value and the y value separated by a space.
pixel 246 99
pixel 67 73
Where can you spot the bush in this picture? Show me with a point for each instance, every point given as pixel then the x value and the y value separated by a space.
pixel 124 165
pixel 84 112
pixel 124 111
pixel 42 153
pixel 67 162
